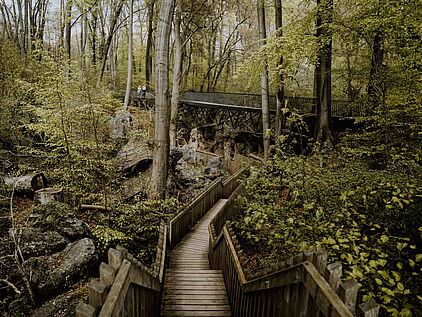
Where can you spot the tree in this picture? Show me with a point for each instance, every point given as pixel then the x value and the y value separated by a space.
pixel 162 115
pixel 129 57
pixel 150 35
pixel 113 24
pixel 177 74
pixel 323 71
pixel 280 88
pixel 264 82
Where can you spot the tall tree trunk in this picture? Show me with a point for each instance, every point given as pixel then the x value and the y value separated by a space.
pixel 280 88
pixel 148 55
pixel 375 76
pixel 129 57
pixel 162 117
pixel 113 23
pixel 20 27
pixel 264 82
pixel 68 28
pixel 93 35
pixel 323 72
pixel 177 74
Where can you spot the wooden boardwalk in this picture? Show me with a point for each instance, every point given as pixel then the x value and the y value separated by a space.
pixel 191 288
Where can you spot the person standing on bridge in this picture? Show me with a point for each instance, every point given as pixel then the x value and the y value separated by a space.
pixel 143 91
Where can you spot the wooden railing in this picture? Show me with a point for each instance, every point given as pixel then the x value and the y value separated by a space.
pixel 300 286
pixel 186 219
pixel 125 286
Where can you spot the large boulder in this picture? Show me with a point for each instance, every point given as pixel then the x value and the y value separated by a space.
pixel 61 306
pixel 53 274
pixel 34 242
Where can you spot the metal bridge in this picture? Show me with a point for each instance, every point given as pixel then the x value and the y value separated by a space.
pixel 242 112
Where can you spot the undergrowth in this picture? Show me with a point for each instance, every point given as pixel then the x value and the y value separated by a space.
pixel 369 219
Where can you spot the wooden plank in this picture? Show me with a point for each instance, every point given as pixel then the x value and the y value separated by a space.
pixel 206 301
pixel 197 313
pixel 197 307
pixel 194 297
pixel 200 291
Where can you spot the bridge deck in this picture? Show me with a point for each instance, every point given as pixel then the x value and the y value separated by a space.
pixel 191 288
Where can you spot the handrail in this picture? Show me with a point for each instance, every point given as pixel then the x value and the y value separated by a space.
pixel 125 285
pixel 301 286
pixel 188 217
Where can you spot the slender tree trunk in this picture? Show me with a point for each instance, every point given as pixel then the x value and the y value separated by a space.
pixel 130 57
pixel 148 55
pixel 375 75
pixel 264 82
pixel 324 20
pixel 93 35
pixel 280 88
pixel 68 28
pixel 20 27
pixel 177 75
pixel 107 45
pixel 162 116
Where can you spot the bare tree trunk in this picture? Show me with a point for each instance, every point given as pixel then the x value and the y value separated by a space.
pixel 324 20
pixel 162 118
pixel 264 82
pixel 20 27
pixel 129 57
pixel 375 75
pixel 177 75
pixel 107 45
pixel 148 56
pixel 68 28
pixel 280 88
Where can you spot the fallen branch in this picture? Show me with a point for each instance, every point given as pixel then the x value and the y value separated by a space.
pixel 17 291
pixel 92 207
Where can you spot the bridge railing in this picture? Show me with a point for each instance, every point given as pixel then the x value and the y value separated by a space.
pixel 126 287
pixel 339 108
pixel 188 217
pixel 300 286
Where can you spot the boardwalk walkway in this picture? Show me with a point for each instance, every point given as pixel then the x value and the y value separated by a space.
pixel 191 288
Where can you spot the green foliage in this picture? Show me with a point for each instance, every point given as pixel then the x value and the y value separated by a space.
pixel 367 219
pixel 135 226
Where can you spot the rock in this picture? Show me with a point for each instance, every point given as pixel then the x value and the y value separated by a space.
pixel 134 157
pixel 213 166
pixel 34 242
pixel 51 275
pixel 62 306
pixel 121 125
pixel 58 216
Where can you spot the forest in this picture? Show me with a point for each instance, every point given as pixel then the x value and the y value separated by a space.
pixel 108 108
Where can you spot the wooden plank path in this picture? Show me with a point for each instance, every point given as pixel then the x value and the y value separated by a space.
pixel 191 288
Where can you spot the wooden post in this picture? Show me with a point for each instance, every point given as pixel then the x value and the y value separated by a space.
pixel 84 310
pixel 333 274
pixel 115 258
pixel 97 293
pixel 348 293
pixel 107 274
pixel 369 309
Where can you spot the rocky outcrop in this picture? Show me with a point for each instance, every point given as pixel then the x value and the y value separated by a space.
pixel 34 242
pixel 50 275
pixel 58 216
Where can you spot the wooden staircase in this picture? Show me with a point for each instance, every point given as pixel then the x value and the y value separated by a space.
pixel 191 288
